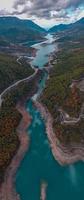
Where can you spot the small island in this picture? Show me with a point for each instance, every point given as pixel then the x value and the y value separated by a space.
pixel 43 190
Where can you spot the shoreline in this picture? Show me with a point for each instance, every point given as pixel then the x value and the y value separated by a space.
pixel 60 153
pixel 7 190
pixel 63 158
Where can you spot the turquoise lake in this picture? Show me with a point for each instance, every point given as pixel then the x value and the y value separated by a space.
pixel 64 183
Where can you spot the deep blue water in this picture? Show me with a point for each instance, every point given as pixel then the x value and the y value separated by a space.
pixel 64 183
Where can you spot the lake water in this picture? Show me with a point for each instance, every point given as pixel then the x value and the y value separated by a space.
pixel 64 183
pixel 44 50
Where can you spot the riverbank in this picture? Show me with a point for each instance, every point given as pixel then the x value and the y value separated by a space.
pixel 61 154
pixel 7 191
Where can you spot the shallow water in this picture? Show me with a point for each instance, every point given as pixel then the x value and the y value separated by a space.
pixel 64 183
pixel 44 50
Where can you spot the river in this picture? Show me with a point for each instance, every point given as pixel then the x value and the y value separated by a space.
pixel 64 183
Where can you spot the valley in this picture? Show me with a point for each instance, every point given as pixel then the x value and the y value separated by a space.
pixel 42 99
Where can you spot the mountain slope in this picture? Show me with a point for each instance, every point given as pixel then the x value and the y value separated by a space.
pixel 63 27
pixel 11 22
pixel 13 29
pixel 58 28
pixel 65 96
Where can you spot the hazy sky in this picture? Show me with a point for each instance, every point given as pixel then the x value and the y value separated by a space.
pixel 44 12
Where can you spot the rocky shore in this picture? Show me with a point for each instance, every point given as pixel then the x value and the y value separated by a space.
pixel 60 153
pixel 7 190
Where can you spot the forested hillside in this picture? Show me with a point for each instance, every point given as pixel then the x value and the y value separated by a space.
pixel 60 98
pixel 9 115
pixel 11 70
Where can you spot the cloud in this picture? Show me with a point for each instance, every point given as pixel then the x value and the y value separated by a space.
pixel 44 8
pixel 18 3
pixel 56 10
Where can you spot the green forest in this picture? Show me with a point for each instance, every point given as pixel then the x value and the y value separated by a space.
pixel 11 71
pixel 9 115
pixel 57 94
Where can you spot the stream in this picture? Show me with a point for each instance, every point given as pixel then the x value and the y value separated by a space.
pixel 64 183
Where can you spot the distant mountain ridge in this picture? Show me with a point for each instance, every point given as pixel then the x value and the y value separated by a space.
pixel 11 22
pixel 18 31
pixel 63 27
pixel 15 30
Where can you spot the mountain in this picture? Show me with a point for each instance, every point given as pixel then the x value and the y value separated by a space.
pixel 63 27
pixel 71 35
pixel 58 28
pixel 12 29
pixel 11 22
